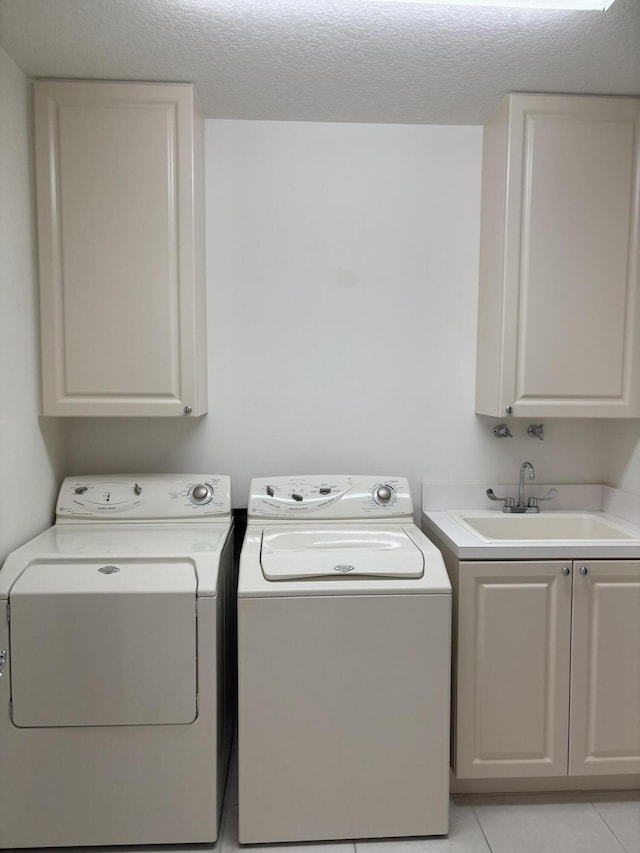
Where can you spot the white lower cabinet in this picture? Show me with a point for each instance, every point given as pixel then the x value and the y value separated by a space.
pixel 604 719
pixel 548 669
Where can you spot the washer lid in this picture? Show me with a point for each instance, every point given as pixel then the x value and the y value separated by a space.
pixel 333 552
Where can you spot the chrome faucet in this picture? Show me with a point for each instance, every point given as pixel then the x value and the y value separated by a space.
pixel 521 505
pixel 532 505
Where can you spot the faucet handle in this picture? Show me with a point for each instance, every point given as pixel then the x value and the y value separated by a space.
pixel 533 502
pixel 506 501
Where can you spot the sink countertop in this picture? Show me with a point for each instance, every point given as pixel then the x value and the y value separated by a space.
pixel 586 499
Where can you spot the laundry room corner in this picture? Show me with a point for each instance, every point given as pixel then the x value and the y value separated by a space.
pixel 31 448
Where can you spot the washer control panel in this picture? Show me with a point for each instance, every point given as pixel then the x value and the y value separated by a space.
pixel 144 497
pixel 332 497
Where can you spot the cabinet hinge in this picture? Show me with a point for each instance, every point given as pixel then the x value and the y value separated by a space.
pixel 8 611
pixel 11 709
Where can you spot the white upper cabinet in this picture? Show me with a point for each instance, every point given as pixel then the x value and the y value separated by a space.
pixel 120 190
pixel 559 306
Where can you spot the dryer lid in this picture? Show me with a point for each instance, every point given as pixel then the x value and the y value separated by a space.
pixel 319 553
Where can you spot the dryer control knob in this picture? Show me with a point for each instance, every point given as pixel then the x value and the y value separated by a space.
pixel 201 493
pixel 383 494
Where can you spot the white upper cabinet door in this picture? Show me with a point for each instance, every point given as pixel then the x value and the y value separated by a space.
pixel 120 189
pixel 605 668
pixel 559 309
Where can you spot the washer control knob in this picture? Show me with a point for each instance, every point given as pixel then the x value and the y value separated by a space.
pixel 201 493
pixel 383 494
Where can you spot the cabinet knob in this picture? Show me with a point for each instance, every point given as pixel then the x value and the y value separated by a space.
pixel 566 570
pixel 584 570
pixel 187 410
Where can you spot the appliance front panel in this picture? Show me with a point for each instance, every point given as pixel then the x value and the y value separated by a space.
pixel 343 717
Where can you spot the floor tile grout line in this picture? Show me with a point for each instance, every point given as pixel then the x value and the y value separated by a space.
pixel 484 834
pixel 611 830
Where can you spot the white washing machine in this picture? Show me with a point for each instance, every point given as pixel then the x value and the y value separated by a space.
pixel 116 712
pixel 344 628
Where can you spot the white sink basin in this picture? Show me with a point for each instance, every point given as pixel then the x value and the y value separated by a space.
pixel 582 527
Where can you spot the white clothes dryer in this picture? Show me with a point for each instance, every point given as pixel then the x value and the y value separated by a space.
pixel 116 697
pixel 344 630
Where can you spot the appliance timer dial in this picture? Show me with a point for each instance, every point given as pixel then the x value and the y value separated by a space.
pixel 383 494
pixel 201 493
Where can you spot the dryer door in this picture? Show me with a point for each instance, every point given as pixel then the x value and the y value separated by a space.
pixel 96 644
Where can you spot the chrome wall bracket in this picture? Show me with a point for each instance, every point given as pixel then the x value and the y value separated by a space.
pixel 502 431
pixel 536 431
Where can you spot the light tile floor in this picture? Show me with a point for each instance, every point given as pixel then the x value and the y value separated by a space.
pixel 518 823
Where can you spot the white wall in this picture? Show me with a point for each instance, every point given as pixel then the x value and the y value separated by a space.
pixel 342 276
pixel 622 455
pixel 30 448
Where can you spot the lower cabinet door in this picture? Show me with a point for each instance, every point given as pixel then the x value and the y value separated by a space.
pixel 605 669
pixel 512 704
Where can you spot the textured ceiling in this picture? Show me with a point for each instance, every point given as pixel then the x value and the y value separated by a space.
pixel 330 60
